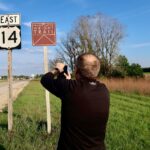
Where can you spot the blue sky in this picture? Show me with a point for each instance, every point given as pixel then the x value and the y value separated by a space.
pixel 133 14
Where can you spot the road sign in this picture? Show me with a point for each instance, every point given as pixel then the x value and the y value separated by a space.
pixel 10 38
pixel 43 34
pixel 10 33
pixel 10 20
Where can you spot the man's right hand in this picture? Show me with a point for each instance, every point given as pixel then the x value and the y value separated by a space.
pixel 68 76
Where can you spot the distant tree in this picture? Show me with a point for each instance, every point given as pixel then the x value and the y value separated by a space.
pixel 38 76
pixel 121 67
pixel 135 70
pixel 4 77
pixel 122 63
pixel 146 69
pixel 117 74
pixel 98 34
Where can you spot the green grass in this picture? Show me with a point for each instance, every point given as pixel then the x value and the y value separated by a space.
pixel 129 124
pixel 1 81
pixel 128 127
pixel 146 72
pixel 29 131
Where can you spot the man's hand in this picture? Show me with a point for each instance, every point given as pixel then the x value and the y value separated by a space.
pixel 68 76
pixel 60 67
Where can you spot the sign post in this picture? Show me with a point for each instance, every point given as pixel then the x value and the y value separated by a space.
pixel 44 34
pixel 10 100
pixel 46 92
pixel 10 38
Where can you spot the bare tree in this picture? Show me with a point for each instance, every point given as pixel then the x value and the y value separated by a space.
pixel 69 50
pixel 109 33
pixel 98 34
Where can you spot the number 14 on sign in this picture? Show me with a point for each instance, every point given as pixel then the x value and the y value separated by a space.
pixel 9 37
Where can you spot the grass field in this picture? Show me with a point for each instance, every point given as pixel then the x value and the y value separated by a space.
pixel 128 127
pixel 139 86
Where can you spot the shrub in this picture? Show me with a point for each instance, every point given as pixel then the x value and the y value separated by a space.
pixel 135 70
pixel 117 73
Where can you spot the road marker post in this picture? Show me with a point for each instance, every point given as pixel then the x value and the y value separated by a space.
pixel 44 34
pixel 10 38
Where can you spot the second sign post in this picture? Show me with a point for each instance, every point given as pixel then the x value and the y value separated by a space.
pixel 44 34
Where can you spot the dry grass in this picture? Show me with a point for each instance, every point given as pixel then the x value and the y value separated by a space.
pixel 129 85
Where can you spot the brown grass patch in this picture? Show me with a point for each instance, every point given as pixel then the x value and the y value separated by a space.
pixel 129 85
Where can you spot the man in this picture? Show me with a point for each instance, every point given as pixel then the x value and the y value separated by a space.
pixel 85 104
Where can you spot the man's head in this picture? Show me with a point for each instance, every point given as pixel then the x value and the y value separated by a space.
pixel 87 66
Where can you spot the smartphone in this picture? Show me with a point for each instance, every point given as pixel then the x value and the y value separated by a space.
pixel 66 69
pixel 61 75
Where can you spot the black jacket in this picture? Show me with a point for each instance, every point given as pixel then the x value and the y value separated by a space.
pixel 84 112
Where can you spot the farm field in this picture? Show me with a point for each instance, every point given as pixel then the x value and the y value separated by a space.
pixel 128 127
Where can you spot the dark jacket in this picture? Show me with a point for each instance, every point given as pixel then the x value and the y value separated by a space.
pixel 84 112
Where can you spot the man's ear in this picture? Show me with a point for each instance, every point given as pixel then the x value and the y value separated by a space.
pixel 76 71
pixel 77 75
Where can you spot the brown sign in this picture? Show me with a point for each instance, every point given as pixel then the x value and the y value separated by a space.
pixel 43 34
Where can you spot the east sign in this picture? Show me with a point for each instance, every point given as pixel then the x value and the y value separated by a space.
pixel 10 31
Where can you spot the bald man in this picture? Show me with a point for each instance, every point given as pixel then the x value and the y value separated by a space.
pixel 85 104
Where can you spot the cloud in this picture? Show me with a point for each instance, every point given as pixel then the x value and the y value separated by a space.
pixel 33 50
pixel 134 13
pixel 144 45
pixel 36 50
pixel 82 3
pixel 4 7
pixel 140 45
pixel 28 68
pixel 59 35
pixel 27 24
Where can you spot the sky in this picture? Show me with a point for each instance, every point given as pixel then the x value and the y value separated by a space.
pixel 134 15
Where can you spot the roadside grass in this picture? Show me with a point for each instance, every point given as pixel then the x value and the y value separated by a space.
pixel 1 81
pixel 29 131
pixel 128 127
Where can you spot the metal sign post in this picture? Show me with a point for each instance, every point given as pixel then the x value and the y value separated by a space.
pixel 44 34
pixel 10 38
